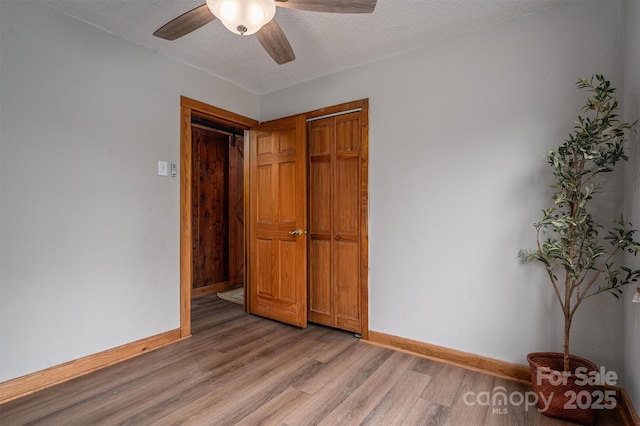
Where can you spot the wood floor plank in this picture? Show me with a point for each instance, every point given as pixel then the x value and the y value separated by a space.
pixel 231 410
pixel 334 371
pixel 336 389
pixel 332 347
pixel 266 391
pixel 276 409
pixel 428 367
pixel 242 369
pixel 400 400
pixel 426 413
pixel 443 388
pixel 365 398
pixel 467 408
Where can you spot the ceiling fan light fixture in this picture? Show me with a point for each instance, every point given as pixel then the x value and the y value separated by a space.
pixel 244 17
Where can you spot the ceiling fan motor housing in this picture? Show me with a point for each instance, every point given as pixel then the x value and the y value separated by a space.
pixel 244 17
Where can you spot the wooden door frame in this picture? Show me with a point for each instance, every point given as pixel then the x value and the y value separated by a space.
pixel 188 108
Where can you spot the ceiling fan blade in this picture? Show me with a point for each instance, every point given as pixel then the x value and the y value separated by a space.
pixel 185 23
pixel 275 43
pixel 331 6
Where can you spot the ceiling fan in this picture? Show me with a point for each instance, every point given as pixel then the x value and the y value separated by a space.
pixel 246 17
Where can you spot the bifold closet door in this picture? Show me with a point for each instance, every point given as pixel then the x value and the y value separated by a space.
pixel 334 221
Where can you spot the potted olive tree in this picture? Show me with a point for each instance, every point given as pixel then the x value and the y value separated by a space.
pixel 578 254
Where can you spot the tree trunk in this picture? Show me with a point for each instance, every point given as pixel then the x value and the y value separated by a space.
pixel 567 330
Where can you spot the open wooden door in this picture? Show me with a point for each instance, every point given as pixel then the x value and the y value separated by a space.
pixel 278 221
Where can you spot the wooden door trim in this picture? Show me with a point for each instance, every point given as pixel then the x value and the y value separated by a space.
pixel 364 220
pixel 217 114
pixel 189 107
pixel 362 104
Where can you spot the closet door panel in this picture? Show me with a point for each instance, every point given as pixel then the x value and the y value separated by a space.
pixel 347 289
pixel 346 212
pixel 348 133
pixel 320 136
pixel 320 197
pixel 320 300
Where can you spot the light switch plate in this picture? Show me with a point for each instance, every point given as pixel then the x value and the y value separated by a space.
pixel 163 167
pixel 174 170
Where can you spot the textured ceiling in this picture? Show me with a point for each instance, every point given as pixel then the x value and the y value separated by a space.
pixel 323 43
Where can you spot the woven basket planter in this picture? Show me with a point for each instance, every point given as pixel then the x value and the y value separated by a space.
pixel 563 395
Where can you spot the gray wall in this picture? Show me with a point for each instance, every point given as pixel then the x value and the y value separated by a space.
pixel 632 190
pixel 88 232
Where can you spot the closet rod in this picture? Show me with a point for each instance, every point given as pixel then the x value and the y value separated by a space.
pixel 334 114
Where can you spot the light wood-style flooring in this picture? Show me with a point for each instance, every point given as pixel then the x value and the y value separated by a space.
pixel 239 369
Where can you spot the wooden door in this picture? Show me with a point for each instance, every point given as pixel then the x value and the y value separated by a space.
pixel 278 216
pixel 210 210
pixel 335 221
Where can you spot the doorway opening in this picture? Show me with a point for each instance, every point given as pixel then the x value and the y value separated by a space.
pixel 212 193
pixel 217 206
